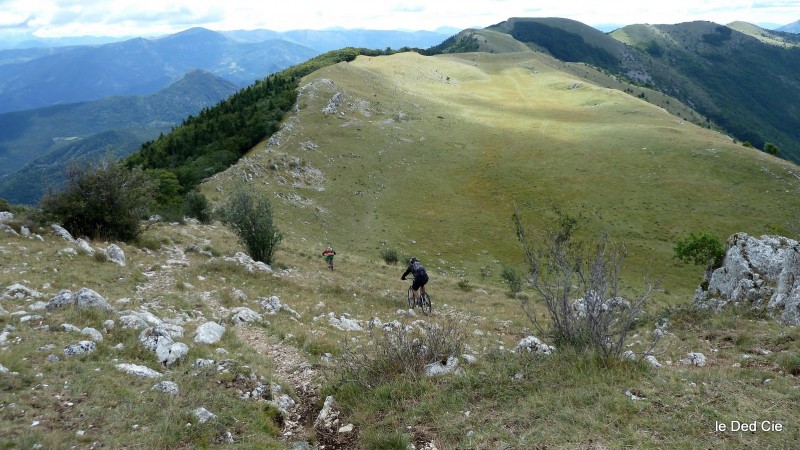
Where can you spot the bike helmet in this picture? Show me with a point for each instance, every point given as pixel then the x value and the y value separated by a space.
pixel 412 260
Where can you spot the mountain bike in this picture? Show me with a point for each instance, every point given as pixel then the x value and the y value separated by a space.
pixel 423 301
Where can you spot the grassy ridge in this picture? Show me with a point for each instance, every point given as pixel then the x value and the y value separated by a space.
pixel 427 155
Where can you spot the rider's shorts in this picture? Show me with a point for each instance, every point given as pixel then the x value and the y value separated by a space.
pixel 419 282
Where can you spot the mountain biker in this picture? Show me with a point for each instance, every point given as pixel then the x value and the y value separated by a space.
pixel 420 277
pixel 328 253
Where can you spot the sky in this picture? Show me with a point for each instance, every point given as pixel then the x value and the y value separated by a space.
pixel 60 18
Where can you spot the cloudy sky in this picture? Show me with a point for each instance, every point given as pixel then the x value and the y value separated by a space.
pixel 58 18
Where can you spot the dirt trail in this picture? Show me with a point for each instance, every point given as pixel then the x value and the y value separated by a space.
pixel 289 366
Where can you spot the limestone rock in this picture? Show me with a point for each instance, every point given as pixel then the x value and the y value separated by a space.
pixel 115 255
pixel 209 333
pixel 758 273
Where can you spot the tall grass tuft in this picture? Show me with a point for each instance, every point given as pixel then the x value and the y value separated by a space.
pixel 390 256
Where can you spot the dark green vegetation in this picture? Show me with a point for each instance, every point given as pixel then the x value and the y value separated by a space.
pixel 102 201
pixel 217 137
pixel 745 86
pixel 249 215
pixel 37 145
pixel 702 249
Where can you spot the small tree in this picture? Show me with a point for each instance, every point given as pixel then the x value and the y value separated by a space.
pixel 249 215
pixel 196 205
pixel 771 148
pixel 579 282
pixel 702 249
pixel 105 200
pixel 511 277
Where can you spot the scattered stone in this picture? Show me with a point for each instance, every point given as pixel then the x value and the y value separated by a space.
pixel 650 359
pixel 209 333
pixel 19 291
pixel 532 344
pixel 328 415
pixel 247 263
pixel 80 348
pixel 694 359
pixel 631 395
pixel 6 216
pixel 154 337
pixel 60 231
pixel 115 255
pixel 345 323
pixel 271 305
pixel 169 355
pixel 444 367
pixel 139 371
pixel 243 314
pixel 168 387
pixel 7 228
pixel 132 321
pixel 203 415
pixel 63 298
pixel 84 247
pixel 87 298
pixel 93 334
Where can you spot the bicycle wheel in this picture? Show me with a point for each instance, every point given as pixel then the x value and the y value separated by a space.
pixel 410 299
pixel 425 303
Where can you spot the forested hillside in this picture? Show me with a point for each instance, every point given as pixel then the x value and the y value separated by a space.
pixel 217 137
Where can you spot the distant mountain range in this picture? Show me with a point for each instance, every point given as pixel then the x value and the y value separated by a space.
pixel 793 27
pixel 37 77
pixel 61 104
pixel 36 145
pixel 136 67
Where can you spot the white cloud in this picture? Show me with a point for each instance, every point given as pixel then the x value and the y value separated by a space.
pixel 130 17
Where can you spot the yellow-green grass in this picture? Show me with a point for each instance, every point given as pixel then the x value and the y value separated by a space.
pixel 431 153
pixel 566 401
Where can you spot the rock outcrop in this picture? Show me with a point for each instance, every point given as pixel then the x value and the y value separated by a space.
pixel 756 273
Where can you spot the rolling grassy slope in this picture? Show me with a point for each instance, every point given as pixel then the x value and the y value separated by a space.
pixel 427 155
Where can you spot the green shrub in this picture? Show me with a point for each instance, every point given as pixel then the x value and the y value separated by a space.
pixel 4 205
pixel 463 284
pixel 197 205
pixel 390 256
pixel 249 215
pixel 512 278
pixel 102 201
pixel 702 249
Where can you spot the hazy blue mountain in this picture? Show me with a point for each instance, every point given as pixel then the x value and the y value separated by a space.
pixel 136 67
pixel 793 27
pixel 36 145
pixel 331 39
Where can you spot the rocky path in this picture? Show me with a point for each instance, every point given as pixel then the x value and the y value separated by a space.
pixel 292 367
pixel 289 365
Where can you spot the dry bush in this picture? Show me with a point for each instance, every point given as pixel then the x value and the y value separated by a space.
pixel 579 283
pixel 400 351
